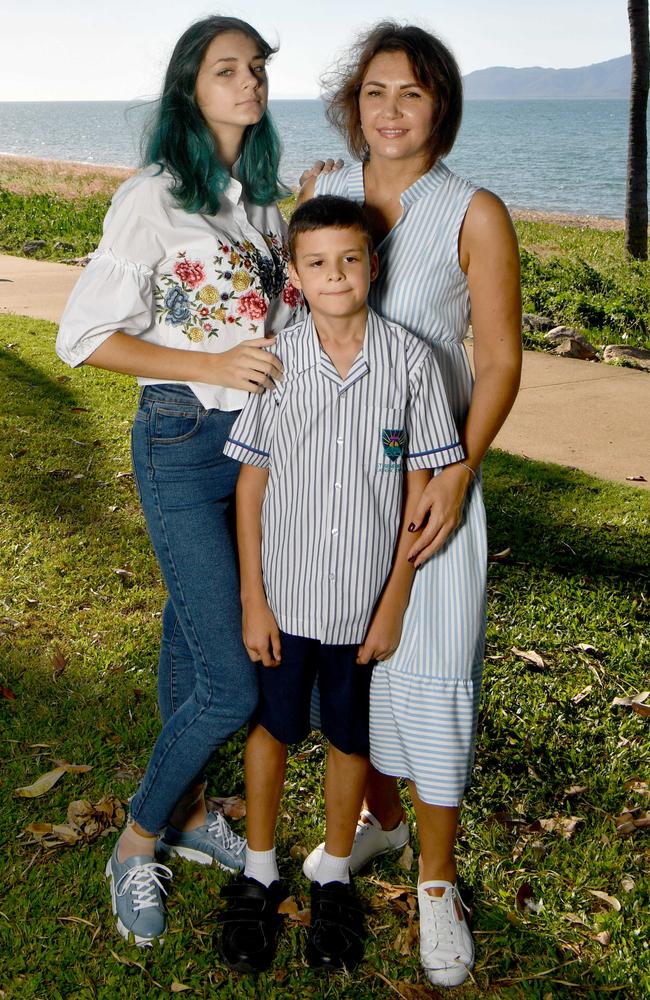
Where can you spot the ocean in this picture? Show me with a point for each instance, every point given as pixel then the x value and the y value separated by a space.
pixel 565 156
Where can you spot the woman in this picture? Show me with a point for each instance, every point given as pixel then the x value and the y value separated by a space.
pixel 445 249
pixel 189 276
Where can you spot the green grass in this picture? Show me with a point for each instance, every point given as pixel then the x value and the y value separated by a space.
pixel 78 646
pixel 581 277
pixel 575 276
pixel 55 220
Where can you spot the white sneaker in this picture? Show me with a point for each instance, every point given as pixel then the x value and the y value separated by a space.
pixel 370 841
pixel 446 945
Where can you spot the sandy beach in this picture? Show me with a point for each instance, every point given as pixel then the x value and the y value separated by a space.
pixel 29 175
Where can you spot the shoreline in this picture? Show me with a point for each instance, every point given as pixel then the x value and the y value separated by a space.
pixel 61 171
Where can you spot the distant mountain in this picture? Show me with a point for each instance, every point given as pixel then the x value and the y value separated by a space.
pixel 605 80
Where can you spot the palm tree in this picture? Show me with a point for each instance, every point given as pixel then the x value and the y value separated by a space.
pixel 636 202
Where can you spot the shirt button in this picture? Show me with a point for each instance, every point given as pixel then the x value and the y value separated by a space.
pixel 332 577
pixel 339 440
pixel 335 531
pixel 337 486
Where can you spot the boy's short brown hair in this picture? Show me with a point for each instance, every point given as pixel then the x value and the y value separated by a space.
pixel 327 212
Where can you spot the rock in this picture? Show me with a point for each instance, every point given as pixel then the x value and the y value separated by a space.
pixel 570 348
pixel 32 246
pixel 61 245
pixel 569 343
pixel 637 357
pixel 76 261
pixel 532 323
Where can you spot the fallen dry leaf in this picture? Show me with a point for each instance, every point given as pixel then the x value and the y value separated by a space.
pixel 288 906
pixel 525 899
pixel 587 649
pixel 39 829
pixel 566 825
pixel 631 821
pixel 638 786
pixel 532 658
pixel 179 987
pixel 603 938
pixel 581 695
pixel 628 883
pixel 298 851
pixel 85 823
pixel 232 806
pixel 575 790
pixel 573 918
pixel 406 858
pixel 407 938
pixel 7 693
pixel 505 819
pixel 49 780
pixel 500 556
pixel 635 702
pixel 609 900
pixel 636 479
pixel 59 663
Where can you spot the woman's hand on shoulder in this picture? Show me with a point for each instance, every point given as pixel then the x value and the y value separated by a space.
pixel 308 177
pixel 319 167
pixel 442 500
pixel 247 366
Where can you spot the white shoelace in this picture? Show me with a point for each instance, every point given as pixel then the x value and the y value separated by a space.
pixel 441 911
pixel 143 880
pixel 231 841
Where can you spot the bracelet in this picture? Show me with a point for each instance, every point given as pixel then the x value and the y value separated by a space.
pixel 469 468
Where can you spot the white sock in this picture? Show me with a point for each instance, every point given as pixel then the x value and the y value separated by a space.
pixel 262 866
pixel 332 869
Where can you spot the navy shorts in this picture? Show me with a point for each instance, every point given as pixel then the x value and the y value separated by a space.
pixel 343 686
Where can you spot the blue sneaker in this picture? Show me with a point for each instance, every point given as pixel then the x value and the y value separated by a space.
pixel 212 843
pixel 137 897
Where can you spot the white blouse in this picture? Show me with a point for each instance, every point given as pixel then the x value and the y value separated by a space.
pixel 181 279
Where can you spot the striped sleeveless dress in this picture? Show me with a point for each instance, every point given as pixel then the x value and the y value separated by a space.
pixel 424 699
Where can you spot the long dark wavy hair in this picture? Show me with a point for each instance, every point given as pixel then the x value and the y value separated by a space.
pixel 181 142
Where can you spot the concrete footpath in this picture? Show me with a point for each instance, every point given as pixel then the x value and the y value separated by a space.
pixel 580 414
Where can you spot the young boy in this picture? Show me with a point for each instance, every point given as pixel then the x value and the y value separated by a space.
pixel 331 458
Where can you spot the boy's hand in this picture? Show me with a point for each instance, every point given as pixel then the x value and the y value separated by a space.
pixel 383 636
pixel 261 634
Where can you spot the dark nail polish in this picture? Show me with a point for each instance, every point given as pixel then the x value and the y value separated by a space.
pixel 411 526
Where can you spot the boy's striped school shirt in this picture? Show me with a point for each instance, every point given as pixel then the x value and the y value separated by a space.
pixel 336 450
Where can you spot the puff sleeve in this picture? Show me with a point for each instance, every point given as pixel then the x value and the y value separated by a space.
pixel 115 290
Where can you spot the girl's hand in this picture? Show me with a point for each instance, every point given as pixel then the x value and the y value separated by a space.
pixel 261 634
pixel 320 167
pixel 383 636
pixel 247 366
pixel 443 499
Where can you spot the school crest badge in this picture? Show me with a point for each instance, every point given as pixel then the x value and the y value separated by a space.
pixel 393 442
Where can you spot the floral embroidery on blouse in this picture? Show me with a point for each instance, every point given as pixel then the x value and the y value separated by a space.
pixel 249 279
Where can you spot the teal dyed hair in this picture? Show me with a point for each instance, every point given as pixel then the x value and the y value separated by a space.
pixel 181 142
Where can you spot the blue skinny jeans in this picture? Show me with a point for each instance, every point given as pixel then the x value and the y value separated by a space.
pixel 207 687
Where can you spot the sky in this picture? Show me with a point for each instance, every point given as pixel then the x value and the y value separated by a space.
pixel 86 50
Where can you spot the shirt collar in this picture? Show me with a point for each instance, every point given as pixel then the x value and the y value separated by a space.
pixel 308 348
pixel 422 186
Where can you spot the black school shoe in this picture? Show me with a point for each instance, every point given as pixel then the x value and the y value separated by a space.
pixel 250 923
pixel 337 927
